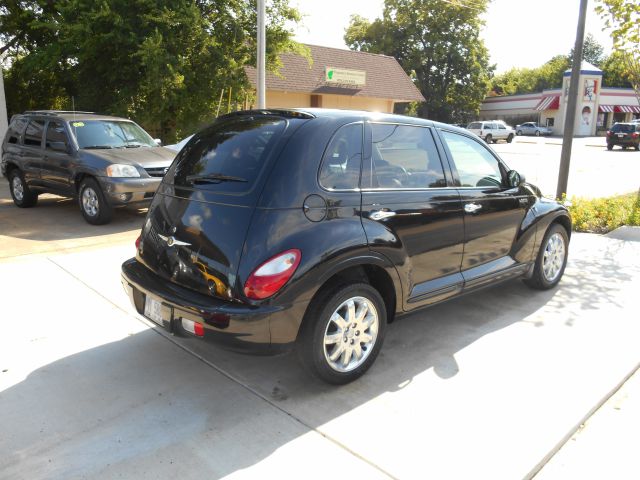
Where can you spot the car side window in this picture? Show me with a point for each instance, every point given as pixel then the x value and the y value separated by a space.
pixel 476 166
pixel 56 138
pixel 342 159
pixel 33 134
pixel 501 127
pixel 15 130
pixel 403 157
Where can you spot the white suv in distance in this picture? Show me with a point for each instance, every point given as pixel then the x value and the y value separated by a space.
pixel 492 131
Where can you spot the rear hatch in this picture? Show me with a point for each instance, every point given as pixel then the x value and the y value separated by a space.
pixel 197 223
pixel 623 132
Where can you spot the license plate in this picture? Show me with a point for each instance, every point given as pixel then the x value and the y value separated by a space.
pixel 620 135
pixel 153 310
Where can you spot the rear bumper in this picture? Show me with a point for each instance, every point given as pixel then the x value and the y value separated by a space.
pixel 630 142
pixel 234 326
pixel 124 191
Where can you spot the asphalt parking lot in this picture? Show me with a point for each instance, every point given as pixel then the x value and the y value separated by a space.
pixel 595 172
pixel 486 386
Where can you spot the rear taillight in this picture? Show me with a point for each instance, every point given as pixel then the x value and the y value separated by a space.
pixel 634 135
pixel 138 242
pixel 271 276
pixel 608 133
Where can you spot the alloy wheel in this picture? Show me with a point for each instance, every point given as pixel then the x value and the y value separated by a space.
pixel 90 202
pixel 553 258
pixel 18 188
pixel 351 334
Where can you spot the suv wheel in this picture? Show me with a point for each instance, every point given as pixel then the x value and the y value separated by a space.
pixel 552 259
pixel 93 204
pixel 22 196
pixel 488 138
pixel 609 146
pixel 510 138
pixel 343 333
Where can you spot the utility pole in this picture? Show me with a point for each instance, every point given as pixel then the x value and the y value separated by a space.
pixel 4 123
pixel 570 117
pixel 261 54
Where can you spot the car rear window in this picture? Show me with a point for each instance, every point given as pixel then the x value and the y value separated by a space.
pixel 228 156
pixel 474 126
pixel 623 127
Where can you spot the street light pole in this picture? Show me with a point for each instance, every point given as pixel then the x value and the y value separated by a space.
pixel 261 54
pixel 570 117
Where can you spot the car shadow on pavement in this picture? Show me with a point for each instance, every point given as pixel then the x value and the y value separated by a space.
pixel 58 218
pixel 143 404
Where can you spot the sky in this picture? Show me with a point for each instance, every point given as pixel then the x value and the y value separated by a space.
pixel 518 33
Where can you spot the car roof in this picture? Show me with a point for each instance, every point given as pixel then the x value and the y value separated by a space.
pixel 69 115
pixel 309 113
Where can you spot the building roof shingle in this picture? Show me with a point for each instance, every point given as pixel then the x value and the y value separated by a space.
pixel 385 78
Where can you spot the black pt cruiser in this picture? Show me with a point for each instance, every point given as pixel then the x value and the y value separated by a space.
pixel 312 229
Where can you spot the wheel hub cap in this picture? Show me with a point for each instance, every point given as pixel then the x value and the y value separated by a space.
pixel 351 334
pixel 90 202
pixel 18 189
pixel 553 258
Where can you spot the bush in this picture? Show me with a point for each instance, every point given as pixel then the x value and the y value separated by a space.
pixel 601 215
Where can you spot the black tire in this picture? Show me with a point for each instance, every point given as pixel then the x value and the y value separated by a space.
pixel 539 280
pixel 609 146
pixel 637 147
pixel 488 138
pixel 537 133
pixel 519 132
pixel 93 205
pixel 21 194
pixel 510 138
pixel 311 349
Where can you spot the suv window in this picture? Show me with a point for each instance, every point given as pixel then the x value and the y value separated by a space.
pixel 476 166
pixel 474 126
pixel 501 127
pixel 403 156
pixel 33 134
pixel 237 148
pixel 340 168
pixel 15 129
pixel 56 138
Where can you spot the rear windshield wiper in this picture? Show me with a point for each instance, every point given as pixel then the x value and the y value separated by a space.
pixel 94 147
pixel 214 178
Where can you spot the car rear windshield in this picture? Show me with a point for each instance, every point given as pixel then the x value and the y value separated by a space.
pixel 227 156
pixel 623 127
pixel 97 134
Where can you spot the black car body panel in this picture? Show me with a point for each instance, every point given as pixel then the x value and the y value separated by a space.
pixel 418 246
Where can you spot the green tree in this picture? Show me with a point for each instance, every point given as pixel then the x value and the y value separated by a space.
pixel 614 71
pixel 592 51
pixel 439 44
pixel 622 19
pixel 160 62
pixel 530 80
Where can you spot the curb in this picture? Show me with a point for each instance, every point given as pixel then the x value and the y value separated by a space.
pixel 535 470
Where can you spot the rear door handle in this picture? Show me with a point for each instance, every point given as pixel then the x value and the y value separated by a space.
pixel 381 214
pixel 472 207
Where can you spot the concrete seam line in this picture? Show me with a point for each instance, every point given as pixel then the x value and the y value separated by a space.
pixel 224 373
pixel 577 427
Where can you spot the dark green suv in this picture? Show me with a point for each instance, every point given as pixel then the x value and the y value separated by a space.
pixel 103 161
pixel 625 135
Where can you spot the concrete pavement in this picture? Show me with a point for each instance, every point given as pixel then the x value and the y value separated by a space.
pixel 486 386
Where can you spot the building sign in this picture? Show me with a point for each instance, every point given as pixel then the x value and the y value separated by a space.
pixel 590 90
pixel 342 76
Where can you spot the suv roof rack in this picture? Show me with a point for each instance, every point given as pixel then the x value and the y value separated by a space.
pixel 283 112
pixel 57 112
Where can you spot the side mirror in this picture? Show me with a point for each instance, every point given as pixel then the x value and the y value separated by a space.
pixel 515 179
pixel 158 141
